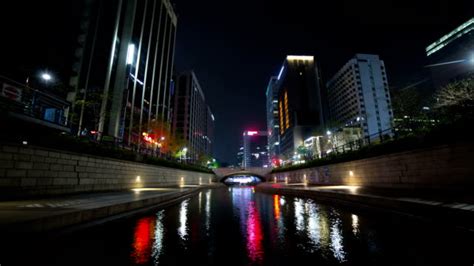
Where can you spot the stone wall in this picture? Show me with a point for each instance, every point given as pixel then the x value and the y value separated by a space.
pixel 27 170
pixel 447 166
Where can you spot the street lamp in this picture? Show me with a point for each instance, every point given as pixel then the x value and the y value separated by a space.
pixel 46 76
pixel 185 150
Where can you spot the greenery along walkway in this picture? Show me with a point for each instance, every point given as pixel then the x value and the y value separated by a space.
pixel 445 133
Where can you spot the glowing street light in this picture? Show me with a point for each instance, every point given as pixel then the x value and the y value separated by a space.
pixel 46 76
pixel 130 54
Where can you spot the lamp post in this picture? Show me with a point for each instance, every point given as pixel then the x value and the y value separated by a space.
pixel 185 150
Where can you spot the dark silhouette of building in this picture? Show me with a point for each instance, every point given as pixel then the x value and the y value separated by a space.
pixel 300 102
pixel 123 69
pixel 273 127
pixel 192 119
pixel 452 56
pixel 255 152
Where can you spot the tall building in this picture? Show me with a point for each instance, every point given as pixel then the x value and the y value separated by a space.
pixel 240 157
pixel 273 126
pixel 452 56
pixel 359 96
pixel 192 120
pixel 123 68
pixel 255 152
pixel 300 102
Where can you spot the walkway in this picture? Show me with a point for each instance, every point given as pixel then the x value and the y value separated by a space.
pixel 441 206
pixel 38 215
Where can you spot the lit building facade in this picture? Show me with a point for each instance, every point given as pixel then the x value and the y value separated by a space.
pixel 192 120
pixel 255 152
pixel 300 102
pixel 359 96
pixel 123 67
pixel 273 127
pixel 452 56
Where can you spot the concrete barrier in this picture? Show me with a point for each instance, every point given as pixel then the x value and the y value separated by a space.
pixel 27 170
pixel 445 167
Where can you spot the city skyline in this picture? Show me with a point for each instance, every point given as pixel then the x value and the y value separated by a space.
pixel 251 57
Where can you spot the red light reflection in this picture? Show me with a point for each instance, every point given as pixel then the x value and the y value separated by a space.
pixel 143 240
pixel 254 234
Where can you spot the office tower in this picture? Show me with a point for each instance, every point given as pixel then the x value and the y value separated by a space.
pixel 359 96
pixel 192 120
pixel 273 126
pixel 300 102
pixel 255 152
pixel 452 56
pixel 123 69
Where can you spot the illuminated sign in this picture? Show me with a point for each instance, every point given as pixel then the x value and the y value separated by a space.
pixel 251 133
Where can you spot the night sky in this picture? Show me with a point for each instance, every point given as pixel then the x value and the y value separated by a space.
pixel 235 46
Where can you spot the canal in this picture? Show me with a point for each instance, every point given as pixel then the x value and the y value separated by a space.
pixel 236 226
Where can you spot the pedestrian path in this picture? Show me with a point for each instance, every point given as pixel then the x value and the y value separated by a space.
pixel 53 213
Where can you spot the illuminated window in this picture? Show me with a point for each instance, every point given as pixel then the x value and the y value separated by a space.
pixel 287 115
pixel 282 127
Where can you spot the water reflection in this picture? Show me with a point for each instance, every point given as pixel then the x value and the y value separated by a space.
pixel 254 233
pixel 336 239
pixel 254 229
pixel 299 212
pixel 208 211
pixel 314 227
pixel 276 206
pixel 355 224
pixel 157 249
pixel 245 228
pixel 183 212
pixel 142 240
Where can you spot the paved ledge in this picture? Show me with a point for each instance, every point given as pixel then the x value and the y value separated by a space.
pixel 436 207
pixel 41 215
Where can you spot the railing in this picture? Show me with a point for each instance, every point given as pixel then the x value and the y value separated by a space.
pixel 386 135
pixel 25 102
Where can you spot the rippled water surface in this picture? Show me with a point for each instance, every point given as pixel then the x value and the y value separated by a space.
pixel 237 226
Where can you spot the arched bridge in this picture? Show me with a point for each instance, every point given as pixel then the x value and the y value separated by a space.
pixel 223 173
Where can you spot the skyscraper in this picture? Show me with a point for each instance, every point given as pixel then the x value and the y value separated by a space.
pixel 300 102
pixel 192 120
pixel 255 153
pixel 273 126
pixel 124 64
pixel 452 56
pixel 359 96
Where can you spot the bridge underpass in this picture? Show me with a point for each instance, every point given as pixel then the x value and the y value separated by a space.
pixel 223 173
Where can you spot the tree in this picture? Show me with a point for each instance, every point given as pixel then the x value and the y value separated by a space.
pixel 406 102
pixel 456 100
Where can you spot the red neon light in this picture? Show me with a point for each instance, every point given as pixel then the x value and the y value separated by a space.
pixel 251 133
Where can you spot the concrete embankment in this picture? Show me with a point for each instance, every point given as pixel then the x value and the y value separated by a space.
pixel 35 171
pixel 77 211
pixel 441 167
pixel 436 208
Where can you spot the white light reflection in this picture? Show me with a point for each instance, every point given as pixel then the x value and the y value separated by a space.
pixel 336 240
pixel 282 200
pixel 208 211
pixel 200 201
pixel 183 217
pixel 159 232
pixel 314 228
pixel 355 224
pixel 299 211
